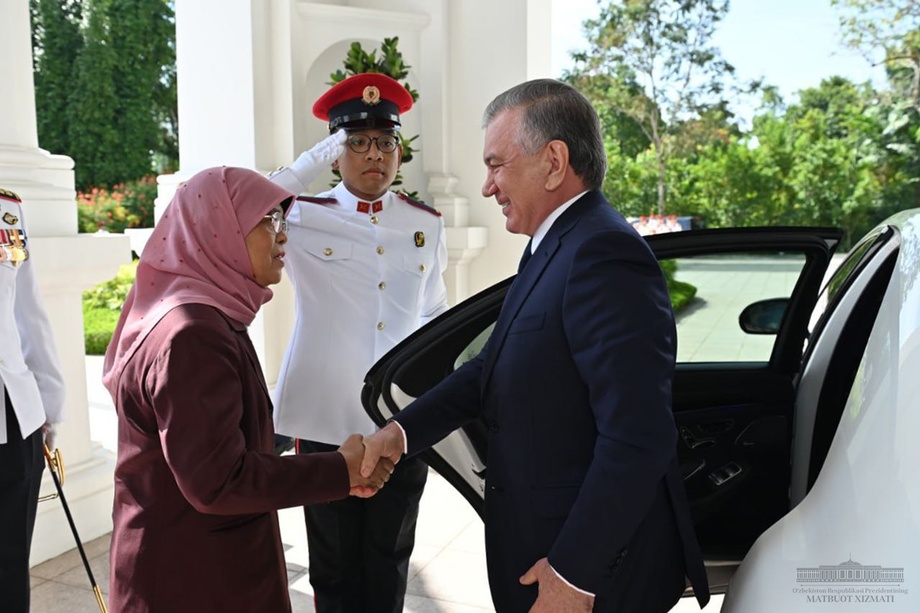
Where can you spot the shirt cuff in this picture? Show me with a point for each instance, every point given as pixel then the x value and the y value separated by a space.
pixel 577 589
pixel 405 439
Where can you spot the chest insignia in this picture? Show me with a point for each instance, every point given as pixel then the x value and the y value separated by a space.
pixel 12 247
pixel 419 239
pixel 10 219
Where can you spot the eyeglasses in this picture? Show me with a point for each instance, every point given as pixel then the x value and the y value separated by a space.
pixel 279 223
pixel 361 143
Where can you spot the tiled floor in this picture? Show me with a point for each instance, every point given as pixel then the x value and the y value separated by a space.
pixel 447 573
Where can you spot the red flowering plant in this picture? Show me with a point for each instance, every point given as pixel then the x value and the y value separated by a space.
pixel 128 205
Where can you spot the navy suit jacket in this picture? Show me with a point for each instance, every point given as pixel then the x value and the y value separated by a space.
pixel 575 387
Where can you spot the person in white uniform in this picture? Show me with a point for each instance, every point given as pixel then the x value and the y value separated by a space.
pixel 32 393
pixel 366 264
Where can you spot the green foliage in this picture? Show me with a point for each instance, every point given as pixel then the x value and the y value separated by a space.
pixel 124 206
pixel 56 43
pixel 102 308
pixel 844 155
pixel 652 61
pixel 359 61
pixel 886 31
pixel 111 294
pixel 681 293
pixel 105 86
pixel 98 328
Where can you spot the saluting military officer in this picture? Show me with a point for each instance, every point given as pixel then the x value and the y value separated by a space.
pixel 366 264
pixel 32 389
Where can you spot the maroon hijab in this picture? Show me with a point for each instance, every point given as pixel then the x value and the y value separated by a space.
pixel 197 254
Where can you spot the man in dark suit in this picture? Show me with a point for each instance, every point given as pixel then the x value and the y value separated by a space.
pixel 584 508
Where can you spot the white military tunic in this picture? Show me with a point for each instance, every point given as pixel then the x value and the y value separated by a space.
pixel 363 282
pixel 29 368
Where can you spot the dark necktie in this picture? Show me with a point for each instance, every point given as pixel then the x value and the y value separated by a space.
pixel 525 257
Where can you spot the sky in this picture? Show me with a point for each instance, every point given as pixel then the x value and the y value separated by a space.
pixel 793 44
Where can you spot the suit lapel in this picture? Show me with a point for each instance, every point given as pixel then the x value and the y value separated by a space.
pixel 526 280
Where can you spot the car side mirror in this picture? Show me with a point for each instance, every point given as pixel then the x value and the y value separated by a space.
pixel 763 316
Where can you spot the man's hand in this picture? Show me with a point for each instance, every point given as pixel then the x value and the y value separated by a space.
pixel 364 487
pixel 387 443
pixel 554 594
pixel 49 434
pixel 317 159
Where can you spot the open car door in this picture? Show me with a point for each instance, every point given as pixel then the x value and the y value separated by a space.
pixel 746 297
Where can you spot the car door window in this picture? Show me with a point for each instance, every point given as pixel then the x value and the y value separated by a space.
pixel 839 330
pixel 472 350
pixel 723 285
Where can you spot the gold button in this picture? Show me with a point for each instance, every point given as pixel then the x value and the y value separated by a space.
pixel 373 219
pixel 422 267
pixel 327 251
pixel 382 285
pixel 379 250
pixel 381 325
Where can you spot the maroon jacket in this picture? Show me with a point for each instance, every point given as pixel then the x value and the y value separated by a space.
pixel 196 482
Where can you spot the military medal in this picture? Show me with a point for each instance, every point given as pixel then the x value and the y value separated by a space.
pixel 14 255
pixel 17 255
pixel 12 247
pixel 419 239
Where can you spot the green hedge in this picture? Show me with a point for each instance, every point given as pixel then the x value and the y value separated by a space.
pixel 681 293
pixel 102 307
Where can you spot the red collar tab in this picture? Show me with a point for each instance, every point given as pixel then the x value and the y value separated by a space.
pixel 370 207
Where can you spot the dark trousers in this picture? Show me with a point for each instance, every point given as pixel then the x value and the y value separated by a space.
pixel 360 548
pixel 21 465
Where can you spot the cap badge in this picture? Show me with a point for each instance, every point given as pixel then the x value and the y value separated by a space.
pixel 10 219
pixel 371 95
pixel 419 239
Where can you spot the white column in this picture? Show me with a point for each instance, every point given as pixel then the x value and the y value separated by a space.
pixel 215 87
pixel 488 56
pixel 66 264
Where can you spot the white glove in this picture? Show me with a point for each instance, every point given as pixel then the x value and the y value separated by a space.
pixel 49 433
pixel 312 163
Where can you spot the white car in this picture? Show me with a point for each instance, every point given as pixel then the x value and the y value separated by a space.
pixel 797 403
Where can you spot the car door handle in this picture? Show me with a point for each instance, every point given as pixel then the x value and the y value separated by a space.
pixel 694 442
pixel 725 473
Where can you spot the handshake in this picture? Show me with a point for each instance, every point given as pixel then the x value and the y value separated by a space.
pixel 371 459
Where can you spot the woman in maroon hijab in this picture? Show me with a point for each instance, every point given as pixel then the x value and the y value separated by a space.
pixel 196 482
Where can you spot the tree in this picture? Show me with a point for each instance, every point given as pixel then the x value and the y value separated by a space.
pixel 887 31
pixel 141 36
pixel 105 86
pixel 57 42
pixel 93 107
pixel 653 62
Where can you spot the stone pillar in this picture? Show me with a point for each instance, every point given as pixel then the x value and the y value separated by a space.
pixel 486 57
pixel 66 264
